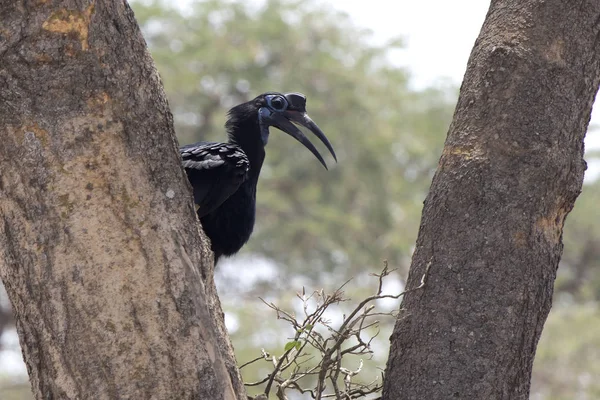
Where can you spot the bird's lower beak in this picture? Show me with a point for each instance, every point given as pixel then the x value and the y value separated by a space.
pixel 284 122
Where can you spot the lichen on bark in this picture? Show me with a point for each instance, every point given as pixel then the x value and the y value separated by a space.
pixel 101 253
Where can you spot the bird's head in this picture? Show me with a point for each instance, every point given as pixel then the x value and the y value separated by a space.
pixel 281 111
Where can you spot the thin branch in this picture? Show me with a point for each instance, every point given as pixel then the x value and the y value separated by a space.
pixel 294 362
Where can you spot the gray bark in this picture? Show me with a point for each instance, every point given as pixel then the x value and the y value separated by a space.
pixel 492 223
pixel 100 252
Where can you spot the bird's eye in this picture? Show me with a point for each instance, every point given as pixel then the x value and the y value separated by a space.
pixel 278 103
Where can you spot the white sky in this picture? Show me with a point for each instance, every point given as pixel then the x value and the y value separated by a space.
pixel 439 33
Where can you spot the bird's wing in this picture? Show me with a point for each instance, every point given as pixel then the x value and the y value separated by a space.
pixel 215 171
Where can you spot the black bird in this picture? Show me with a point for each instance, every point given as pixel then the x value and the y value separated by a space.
pixel 224 175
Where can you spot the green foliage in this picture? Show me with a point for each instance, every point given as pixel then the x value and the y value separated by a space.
pixel 12 388
pixel 579 272
pixel 293 344
pixel 567 363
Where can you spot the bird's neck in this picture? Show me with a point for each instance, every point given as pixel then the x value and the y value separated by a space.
pixel 256 156
pixel 254 149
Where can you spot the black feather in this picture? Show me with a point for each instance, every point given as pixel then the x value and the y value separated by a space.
pixel 215 171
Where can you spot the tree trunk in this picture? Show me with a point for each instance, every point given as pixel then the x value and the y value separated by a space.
pixel 492 223
pixel 110 281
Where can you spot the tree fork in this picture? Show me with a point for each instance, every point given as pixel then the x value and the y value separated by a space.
pixel 111 284
pixel 492 223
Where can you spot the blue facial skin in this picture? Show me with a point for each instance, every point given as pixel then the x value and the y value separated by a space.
pixel 264 116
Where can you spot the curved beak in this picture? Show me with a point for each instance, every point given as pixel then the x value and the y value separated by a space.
pixel 303 119
pixel 284 123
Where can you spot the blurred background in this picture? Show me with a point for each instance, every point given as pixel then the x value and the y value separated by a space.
pixel 381 81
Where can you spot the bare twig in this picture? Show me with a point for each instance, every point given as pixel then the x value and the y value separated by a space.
pixel 296 363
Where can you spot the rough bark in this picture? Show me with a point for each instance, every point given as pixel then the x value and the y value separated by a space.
pixel 492 223
pixel 100 250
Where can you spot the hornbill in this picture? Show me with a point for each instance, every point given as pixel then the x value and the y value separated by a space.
pixel 224 175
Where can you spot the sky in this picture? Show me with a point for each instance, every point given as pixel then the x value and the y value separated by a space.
pixel 439 35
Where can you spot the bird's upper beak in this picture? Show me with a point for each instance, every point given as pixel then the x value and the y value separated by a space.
pixel 296 113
